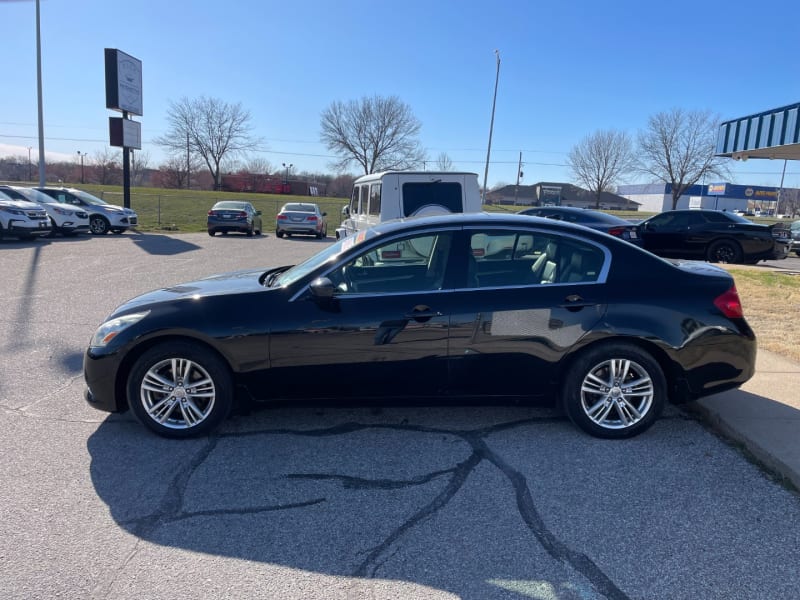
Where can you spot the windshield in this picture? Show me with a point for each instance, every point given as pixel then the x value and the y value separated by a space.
pixel 34 195
pixel 320 258
pixel 88 198
pixel 299 208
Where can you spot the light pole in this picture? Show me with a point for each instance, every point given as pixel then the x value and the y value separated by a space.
pixel 30 174
pixel 287 167
pixel 81 154
pixel 491 127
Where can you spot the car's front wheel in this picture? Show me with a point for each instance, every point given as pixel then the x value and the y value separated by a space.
pixel 98 225
pixel 179 390
pixel 614 390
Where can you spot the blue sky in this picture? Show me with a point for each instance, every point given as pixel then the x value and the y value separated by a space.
pixel 568 68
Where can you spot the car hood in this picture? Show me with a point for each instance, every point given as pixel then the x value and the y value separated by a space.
pixel 236 282
pixel 115 208
pixel 21 204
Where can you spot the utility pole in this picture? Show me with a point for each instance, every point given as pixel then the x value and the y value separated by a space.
pixel 519 176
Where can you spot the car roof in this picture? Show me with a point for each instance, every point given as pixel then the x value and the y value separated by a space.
pixel 480 219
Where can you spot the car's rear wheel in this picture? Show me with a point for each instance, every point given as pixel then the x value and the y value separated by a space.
pixel 212 232
pixel 98 225
pixel 180 390
pixel 614 390
pixel 724 251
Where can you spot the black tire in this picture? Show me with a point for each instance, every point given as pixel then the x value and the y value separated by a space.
pixel 724 251
pixel 164 410
pixel 53 228
pixel 212 232
pixel 600 402
pixel 249 232
pixel 98 225
pixel 279 234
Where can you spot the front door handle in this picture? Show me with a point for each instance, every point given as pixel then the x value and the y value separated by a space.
pixel 421 313
pixel 574 302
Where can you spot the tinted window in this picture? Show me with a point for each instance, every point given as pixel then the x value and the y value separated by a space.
pixel 413 264
pixel 420 194
pixel 375 199
pixel 505 259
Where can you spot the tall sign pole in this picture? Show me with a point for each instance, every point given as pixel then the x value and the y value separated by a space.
pixel 42 181
pixel 124 93
pixel 491 127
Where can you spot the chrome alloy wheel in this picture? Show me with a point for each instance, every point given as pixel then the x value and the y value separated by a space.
pixel 177 393
pixel 617 393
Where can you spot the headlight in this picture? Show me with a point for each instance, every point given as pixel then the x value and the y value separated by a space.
pixel 62 211
pixel 109 330
pixel 13 211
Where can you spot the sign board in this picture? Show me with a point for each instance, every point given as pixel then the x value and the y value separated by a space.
pixel 125 133
pixel 715 189
pixel 695 202
pixel 123 82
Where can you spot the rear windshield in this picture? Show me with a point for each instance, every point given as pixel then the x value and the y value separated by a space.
pixel 418 195
pixel 299 207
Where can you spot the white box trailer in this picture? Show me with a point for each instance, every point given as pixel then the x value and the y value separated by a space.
pixel 390 195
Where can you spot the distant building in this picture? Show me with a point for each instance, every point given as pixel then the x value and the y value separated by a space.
pixel 657 197
pixel 558 194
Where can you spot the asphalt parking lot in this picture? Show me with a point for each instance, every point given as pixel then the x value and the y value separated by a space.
pixel 481 502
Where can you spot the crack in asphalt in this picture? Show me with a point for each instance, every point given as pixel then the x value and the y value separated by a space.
pixel 170 507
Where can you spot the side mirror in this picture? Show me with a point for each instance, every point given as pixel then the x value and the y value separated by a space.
pixel 322 288
pixel 324 214
pixel 345 211
pixel 258 212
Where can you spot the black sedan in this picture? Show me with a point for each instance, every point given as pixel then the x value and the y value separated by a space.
pixel 595 219
pixel 232 215
pixel 427 308
pixel 712 235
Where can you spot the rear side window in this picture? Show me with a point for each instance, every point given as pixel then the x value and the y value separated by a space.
pixel 417 195
pixel 504 259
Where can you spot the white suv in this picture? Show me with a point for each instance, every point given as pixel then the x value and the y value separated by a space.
pixel 66 220
pixel 103 217
pixel 20 219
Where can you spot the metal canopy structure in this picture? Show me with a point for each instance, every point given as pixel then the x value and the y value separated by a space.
pixel 773 134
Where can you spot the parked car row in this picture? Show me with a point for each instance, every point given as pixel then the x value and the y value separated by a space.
pixel 294 218
pixel 712 235
pixel 27 212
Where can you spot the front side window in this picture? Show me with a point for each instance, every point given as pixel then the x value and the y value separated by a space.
pixel 413 264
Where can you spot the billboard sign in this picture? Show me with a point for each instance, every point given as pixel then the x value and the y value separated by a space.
pixel 123 82
pixel 125 133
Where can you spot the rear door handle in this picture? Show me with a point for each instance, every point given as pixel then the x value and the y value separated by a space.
pixel 576 302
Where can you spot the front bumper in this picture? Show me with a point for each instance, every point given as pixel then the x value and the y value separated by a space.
pixel 28 228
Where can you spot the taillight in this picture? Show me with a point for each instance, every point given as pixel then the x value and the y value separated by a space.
pixel 617 231
pixel 281 217
pixel 730 304
pixel 312 218
pixel 242 214
pixel 211 213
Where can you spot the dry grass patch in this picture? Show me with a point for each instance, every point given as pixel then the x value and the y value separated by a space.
pixel 771 301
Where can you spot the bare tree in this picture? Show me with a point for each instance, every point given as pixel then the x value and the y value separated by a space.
pixel 106 169
pixel 375 133
pixel 210 129
pixel 678 146
pixel 601 160
pixel 258 166
pixel 140 163
pixel 443 162
pixel 173 173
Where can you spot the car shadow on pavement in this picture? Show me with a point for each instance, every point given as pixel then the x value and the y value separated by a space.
pixel 163 245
